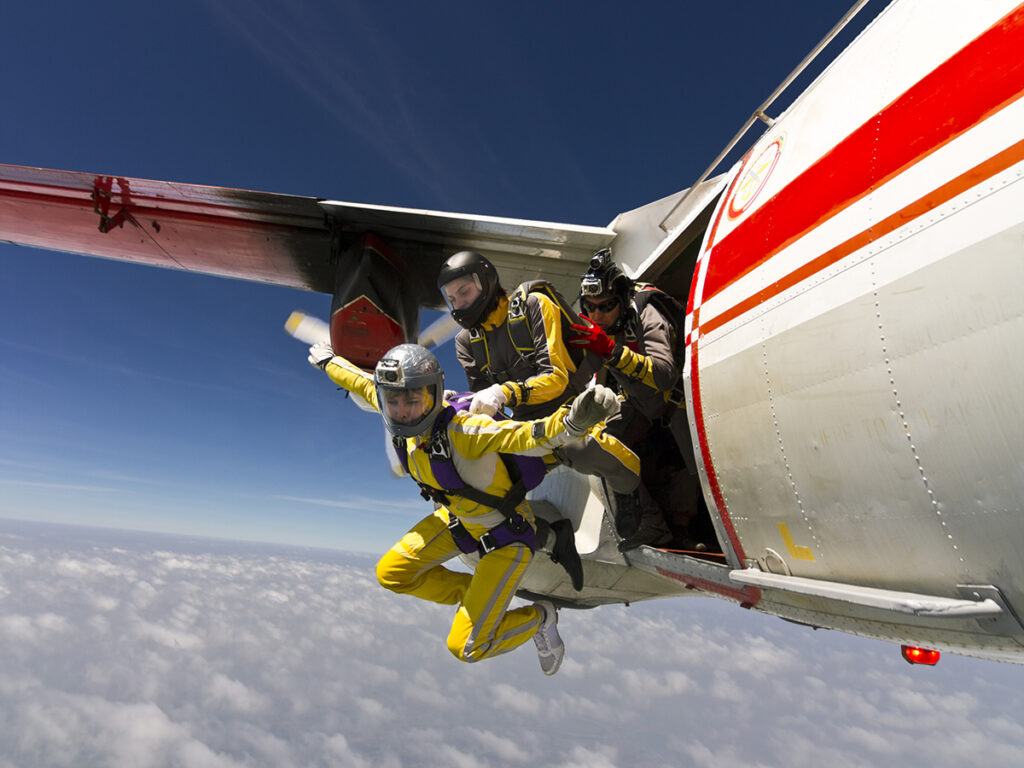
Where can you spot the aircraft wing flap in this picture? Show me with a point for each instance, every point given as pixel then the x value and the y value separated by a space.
pixel 557 240
pixel 519 248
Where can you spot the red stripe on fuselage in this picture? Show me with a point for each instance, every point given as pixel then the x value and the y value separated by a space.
pixel 702 438
pixel 973 84
pixel 916 125
pixel 965 181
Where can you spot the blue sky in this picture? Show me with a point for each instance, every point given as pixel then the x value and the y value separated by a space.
pixel 140 398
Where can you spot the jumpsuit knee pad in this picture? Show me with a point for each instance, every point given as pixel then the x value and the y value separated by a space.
pixel 389 572
pixel 458 651
pixel 458 640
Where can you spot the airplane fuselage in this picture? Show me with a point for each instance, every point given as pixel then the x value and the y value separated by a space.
pixel 854 325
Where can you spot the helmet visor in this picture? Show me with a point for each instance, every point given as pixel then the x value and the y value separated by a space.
pixel 405 408
pixel 463 292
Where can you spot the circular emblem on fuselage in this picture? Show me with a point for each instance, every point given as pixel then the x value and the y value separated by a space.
pixel 754 179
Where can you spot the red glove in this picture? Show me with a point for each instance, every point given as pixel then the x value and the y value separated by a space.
pixel 593 338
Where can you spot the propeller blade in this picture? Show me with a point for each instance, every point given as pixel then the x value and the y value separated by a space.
pixel 311 330
pixel 438 332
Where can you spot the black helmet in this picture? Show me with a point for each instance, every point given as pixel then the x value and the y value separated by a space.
pixel 604 279
pixel 409 368
pixel 482 274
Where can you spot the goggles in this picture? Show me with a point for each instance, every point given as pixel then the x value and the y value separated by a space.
pixel 605 306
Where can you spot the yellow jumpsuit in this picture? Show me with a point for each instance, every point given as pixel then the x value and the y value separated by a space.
pixel 483 626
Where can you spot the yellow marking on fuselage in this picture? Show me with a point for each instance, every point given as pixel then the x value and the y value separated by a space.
pixel 796 551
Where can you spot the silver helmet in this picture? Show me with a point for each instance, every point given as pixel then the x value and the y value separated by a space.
pixel 410 389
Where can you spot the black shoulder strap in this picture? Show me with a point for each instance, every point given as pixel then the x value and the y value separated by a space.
pixel 519 331
pixel 481 356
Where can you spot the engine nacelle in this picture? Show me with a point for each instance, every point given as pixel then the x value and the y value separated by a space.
pixel 370 311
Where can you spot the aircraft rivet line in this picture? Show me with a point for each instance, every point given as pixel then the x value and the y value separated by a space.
pixel 905 422
pixel 782 447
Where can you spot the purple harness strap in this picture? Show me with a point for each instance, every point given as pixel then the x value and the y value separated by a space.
pixel 513 530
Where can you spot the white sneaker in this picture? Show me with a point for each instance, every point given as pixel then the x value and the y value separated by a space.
pixel 550 648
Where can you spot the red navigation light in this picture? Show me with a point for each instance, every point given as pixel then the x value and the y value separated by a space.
pixel 915 655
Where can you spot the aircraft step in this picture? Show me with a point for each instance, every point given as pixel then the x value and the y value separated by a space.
pixel 908 603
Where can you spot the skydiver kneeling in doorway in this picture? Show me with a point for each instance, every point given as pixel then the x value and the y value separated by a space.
pixel 637 331
pixel 459 460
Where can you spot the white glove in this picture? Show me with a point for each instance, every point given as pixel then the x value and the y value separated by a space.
pixel 320 354
pixel 590 408
pixel 488 401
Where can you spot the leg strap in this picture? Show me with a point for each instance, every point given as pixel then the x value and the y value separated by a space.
pixel 514 530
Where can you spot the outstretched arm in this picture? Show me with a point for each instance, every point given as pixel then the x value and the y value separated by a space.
pixel 343 373
pixel 476 435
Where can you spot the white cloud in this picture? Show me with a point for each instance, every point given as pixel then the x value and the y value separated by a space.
pixel 235 695
pixel 163 652
pixel 508 750
pixel 375 507
pixel 599 757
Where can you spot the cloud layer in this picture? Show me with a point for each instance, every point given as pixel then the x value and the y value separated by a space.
pixel 139 650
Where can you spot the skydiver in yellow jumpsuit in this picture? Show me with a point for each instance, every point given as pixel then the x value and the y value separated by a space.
pixel 407 389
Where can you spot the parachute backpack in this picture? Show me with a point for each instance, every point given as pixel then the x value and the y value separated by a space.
pixel 521 334
pixel 672 310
